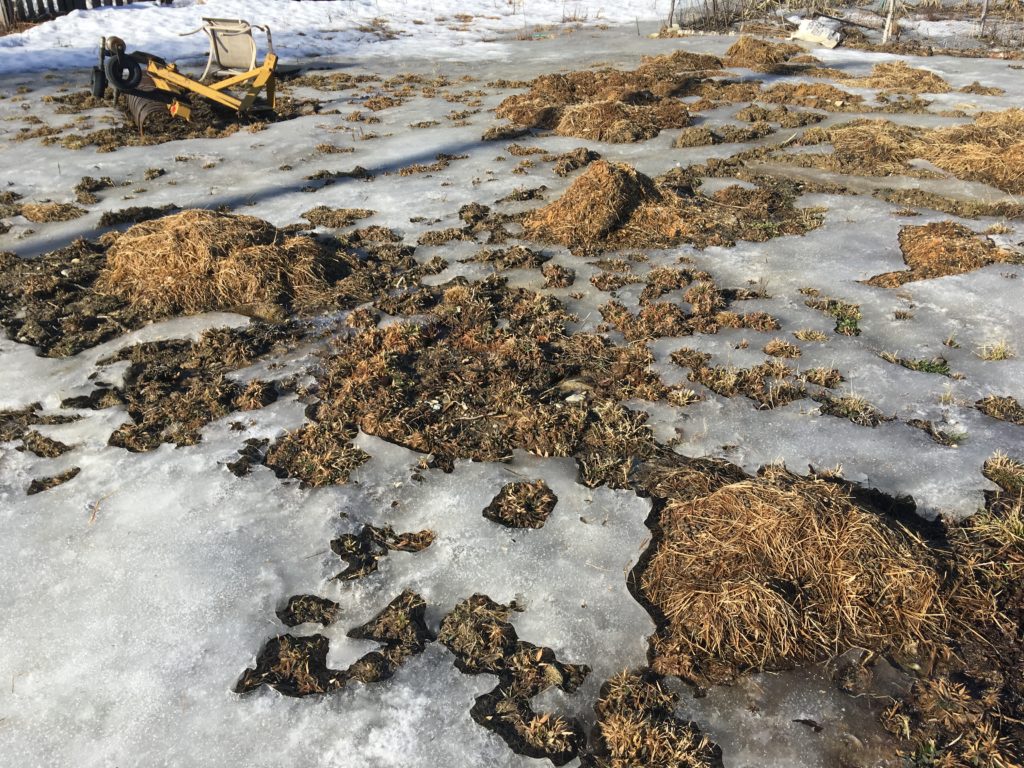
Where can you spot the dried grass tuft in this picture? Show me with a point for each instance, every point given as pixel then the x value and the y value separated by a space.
pixel 778 571
pixel 199 260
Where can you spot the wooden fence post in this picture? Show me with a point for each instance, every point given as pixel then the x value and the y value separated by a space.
pixel 6 14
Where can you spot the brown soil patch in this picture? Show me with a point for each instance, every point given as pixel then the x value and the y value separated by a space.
pixel 814 96
pixel 770 384
pixel 297 666
pixel 463 387
pixel 779 571
pixel 42 446
pixel 199 260
pixel 16 424
pixel 939 249
pixel 696 136
pixel 46 483
pixel 172 389
pixel 208 121
pixel 612 205
pixel 967 209
pixel 574 160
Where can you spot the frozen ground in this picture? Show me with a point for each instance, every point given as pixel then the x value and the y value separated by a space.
pixel 137 592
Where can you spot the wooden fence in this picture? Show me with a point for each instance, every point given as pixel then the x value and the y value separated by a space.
pixel 13 11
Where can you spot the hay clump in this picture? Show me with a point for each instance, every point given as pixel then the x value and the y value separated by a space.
pixel 198 260
pixel 898 77
pixel 990 150
pixel 335 218
pixel 779 571
pixel 595 205
pixel 759 55
pixel 44 213
pixel 618 122
pixel 612 205
pixel 939 249
pixel 696 136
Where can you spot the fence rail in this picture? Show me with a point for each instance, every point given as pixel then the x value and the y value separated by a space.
pixel 13 11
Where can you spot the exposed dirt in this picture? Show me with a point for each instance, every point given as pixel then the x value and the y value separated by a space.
pixel 1004 408
pixel 172 389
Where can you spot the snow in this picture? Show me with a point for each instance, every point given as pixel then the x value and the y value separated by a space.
pixel 137 592
pixel 312 29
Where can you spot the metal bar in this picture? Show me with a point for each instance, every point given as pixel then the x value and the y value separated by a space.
pixel 191 85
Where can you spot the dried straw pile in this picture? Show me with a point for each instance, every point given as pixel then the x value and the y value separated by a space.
pixel 611 205
pixel 612 105
pixel 778 571
pixel 939 249
pixel 991 150
pixel 43 213
pixel 606 199
pixel 199 260
pixel 619 121
pixel 760 55
pixel 897 77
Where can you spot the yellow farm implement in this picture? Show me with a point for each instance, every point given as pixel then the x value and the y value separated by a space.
pixel 147 79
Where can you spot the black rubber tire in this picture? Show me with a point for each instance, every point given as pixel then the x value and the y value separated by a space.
pixel 123 72
pixel 99 82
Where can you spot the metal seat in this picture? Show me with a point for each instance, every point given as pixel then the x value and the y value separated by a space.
pixel 232 47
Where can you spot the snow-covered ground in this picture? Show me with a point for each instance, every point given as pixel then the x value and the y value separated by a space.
pixel 385 29
pixel 136 593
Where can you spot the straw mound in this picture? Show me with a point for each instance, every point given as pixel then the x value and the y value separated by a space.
pixel 612 105
pixel 199 260
pixel 897 77
pixel 991 150
pixel 813 96
pixel 779 571
pixel 760 55
pixel 939 249
pixel 696 136
pixel 620 122
pixel 874 146
pixel 43 213
pixel 612 205
pixel 599 202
